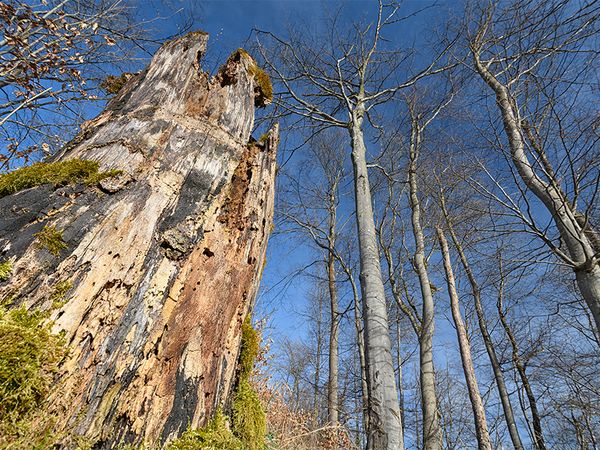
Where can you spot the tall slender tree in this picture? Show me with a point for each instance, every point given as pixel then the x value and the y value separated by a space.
pixel 341 84
pixel 481 427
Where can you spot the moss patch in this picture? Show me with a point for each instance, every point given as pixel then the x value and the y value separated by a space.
pixel 248 417
pixel 215 436
pixel 249 349
pixel 264 86
pixel 51 238
pixel 112 84
pixel 57 173
pixel 6 269
pixel 29 355
pixel 248 424
pixel 59 293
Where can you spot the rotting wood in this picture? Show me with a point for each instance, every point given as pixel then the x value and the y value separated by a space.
pixel 164 259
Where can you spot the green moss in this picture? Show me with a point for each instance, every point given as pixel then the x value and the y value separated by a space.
pixel 58 173
pixel 263 138
pixel 113 84
pixel 248 417
pixel 51 238
pixel 29 355
pixel 264 84
pixel 215 436
pixel 6 269
pixel 248 422
pixel 263 81
pixel 59 293
pixel 249 349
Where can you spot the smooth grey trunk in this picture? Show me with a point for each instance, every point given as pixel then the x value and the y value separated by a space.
pixel 385 427
pixel 332 384
pixel 432 432
pixel 575 232
pixel 538 437
pixel 481 428
pixel 361 348
pixel 318 361
pixel 485 334
pixel 400 379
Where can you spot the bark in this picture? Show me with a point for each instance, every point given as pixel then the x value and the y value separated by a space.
pixel 578 237
pixel 432 432
pixel 385 428
pixel 164 260
pixel 481 428
pixel 538 437
pixel 485 334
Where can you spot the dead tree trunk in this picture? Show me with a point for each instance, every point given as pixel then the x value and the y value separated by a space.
pixel 164 260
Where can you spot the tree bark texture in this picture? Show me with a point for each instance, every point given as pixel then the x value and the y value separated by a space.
pixel 385 428
pixel 164 259
pixel 481 428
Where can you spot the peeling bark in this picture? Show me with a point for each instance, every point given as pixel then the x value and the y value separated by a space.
pixel 165 259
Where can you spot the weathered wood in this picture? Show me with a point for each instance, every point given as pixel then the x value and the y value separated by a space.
pixel 165 259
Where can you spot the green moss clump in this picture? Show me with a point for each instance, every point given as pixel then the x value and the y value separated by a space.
pixel 29 355
pixel 265 86
pixel 215 436
pixel 59 293
pixel 6 269
pixel 262 79
pixel 113 84
pixel 58 173
pixel 249 349
pixel 248 421
pixel 51 238
pixel 248 417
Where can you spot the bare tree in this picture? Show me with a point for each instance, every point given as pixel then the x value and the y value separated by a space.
pixel 538 60
pixel 56 59
pixel 311 209
pixel 481 427
pixel 341 84
pixel 483 327
pixel 538 437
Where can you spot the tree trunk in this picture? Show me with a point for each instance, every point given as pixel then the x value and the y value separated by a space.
pixel 385 428
pixel 481 428
pixel 317 382
pixel 361 347
pixel 577 236
pixel 332 384
pixel 400 378
pixel 485 334
pixel 432 432
pixel 164 260
pixel 538 437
